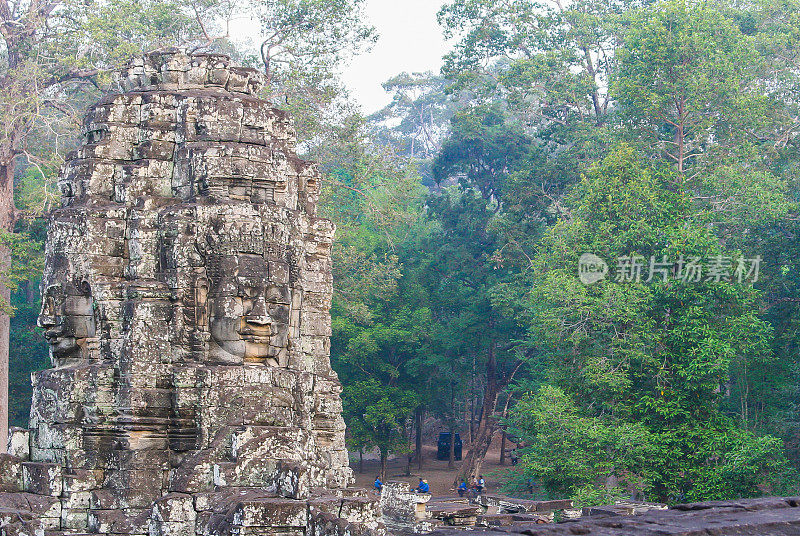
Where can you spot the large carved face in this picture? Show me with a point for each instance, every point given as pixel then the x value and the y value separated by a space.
pixel 67 317
pixel 249 315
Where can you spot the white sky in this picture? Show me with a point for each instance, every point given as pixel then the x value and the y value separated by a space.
pixel 410 40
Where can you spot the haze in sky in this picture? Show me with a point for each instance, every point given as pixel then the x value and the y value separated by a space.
pixel 410 40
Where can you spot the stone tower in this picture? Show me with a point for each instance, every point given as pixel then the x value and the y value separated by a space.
pixel 186 300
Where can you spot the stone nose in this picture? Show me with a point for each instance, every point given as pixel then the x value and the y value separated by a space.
pixel 258 313
pixel 47 316
pixel 46 321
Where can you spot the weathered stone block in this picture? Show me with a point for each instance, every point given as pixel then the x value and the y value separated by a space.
pixel 270 512
pixel 120 521
pixel 174 507
pixel 76 519
pixel 19 443
pixel 42 478
pixel 10 473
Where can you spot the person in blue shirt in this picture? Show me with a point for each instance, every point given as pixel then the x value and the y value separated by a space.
pixel 462 488
pixel 378 484
pixel 423 486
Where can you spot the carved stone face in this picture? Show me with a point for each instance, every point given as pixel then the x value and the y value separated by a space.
pixel 67 317
pixel 249 315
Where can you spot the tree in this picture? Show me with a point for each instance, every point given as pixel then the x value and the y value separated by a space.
pixel 687 74
pixel 551 60
pixel 594 460
pixel 376 415
pixel 652 353
pixel 481 150
pixel 302 45
pixel 309 35
pixel 417 120
pixel 380 318
pixel 459 273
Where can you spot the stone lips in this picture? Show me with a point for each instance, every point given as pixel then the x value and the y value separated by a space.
pixel 187 290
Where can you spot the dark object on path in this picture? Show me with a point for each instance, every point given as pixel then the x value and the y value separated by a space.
pixel 443 447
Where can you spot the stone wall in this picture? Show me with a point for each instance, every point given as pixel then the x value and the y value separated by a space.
pixel 186 300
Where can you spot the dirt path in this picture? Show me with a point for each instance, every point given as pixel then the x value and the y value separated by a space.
pixel 439 477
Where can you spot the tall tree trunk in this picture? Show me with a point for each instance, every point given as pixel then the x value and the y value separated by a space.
pixel 472 403
pixel 7 225
pixel 505 414
pixel 31 292
pixel 361 461
pixel 384 456
pixel 419 437
pixel 451 457
pixel 472 419
pixel 406 441
pixel 483 436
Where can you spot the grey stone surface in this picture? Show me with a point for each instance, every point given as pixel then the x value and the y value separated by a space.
pixel 774 516
pixel 186 300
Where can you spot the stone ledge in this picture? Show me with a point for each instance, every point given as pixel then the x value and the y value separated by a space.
pixel 773 516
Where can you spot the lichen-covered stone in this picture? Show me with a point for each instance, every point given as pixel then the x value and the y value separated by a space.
pixel 186 300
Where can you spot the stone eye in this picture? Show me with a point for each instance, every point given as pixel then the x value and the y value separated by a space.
pixel 273 295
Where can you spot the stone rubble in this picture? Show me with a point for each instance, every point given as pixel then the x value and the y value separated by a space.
pixel 771 516
pixel 409 512
pixel 186 300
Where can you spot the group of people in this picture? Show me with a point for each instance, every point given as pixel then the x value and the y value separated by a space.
pixel 475 487
pixel 423 486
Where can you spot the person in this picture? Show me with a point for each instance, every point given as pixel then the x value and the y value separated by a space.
pixel 514 457
pixel 481 484
pixel 423 486
pixel 462 488
pixel 378 484
pixel 472 492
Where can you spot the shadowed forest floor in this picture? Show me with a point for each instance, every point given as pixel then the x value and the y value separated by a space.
pixel 439 477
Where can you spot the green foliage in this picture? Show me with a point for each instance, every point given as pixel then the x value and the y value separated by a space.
pixel 595 460
pixel 28 351
pixel 598 460
pixel 27 259
pixel 664 129
pixel 481 149
pixel 376 415
pixel 685 73
pixel 648 358
pixel 380 318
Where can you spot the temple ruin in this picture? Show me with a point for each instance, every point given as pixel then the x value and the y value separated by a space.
pixel 186 301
